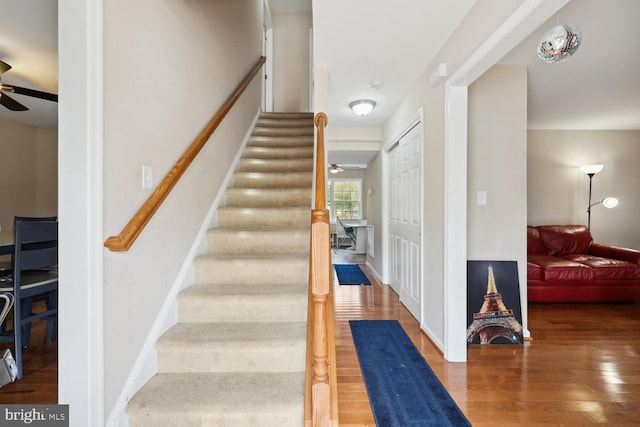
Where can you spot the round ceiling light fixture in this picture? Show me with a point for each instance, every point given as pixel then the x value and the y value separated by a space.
pixel 559 43
pixel 362 107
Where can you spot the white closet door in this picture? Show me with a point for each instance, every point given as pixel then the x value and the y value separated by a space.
pixel 405 217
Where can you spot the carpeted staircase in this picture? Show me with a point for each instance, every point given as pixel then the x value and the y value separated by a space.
pixel 237 355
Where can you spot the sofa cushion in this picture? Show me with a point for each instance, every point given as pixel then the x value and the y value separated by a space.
pixel 565 239
pixel 606 268
pixel 534 271
pixel 534 244
pixel 560 269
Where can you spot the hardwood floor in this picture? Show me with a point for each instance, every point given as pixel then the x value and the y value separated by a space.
pixel 39 384
pixel 581 368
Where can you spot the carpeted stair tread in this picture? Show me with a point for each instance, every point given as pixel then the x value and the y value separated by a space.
pixel 220 400
pixel 287 115
pixel 229 240
pixel 233 347
pixel 285 122
pixel 244 268
pixel 207 333
pixel 282 131
pixel 253 152
pixel 237 217
pixel 256 301
pixel 248 257
pixel 275 165
pixel 281 141
pixel 273 179
pixel 268 197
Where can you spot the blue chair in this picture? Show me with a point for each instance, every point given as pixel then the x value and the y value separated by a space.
pixel 35 277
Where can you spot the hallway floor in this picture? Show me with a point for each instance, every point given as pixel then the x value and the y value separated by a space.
pixel 581 368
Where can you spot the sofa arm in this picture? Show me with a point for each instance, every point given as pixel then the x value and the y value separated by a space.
pixel 615 252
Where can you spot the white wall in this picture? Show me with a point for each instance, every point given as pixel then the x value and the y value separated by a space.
pixel 28 171
pixel 497 165
pixel 477 27
pixel 291 61
pixel 558 190
pixel 168 67
pixel 374 212
pixel 47 172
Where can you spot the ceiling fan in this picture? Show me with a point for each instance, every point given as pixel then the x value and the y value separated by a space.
pixel 11 103
pixel 337 167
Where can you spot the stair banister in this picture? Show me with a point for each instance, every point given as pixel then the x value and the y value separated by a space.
pixel 129 234
pixel 321 396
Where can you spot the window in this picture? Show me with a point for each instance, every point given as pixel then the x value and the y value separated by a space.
pixel 344 198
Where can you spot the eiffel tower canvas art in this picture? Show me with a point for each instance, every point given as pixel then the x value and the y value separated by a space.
pixel 494 318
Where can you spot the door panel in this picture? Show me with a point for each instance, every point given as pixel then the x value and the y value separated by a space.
pixel 405 219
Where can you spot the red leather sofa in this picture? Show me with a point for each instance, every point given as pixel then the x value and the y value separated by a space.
pixel 565 265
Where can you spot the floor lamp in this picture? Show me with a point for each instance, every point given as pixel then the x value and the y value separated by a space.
pixel 609 202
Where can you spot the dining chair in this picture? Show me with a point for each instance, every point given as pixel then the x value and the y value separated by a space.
pixel 348 233
pixel 34 277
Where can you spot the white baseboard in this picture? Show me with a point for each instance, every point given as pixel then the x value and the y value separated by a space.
pixel 432 337
pixel 375 273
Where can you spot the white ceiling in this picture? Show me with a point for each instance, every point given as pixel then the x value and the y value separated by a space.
pixel 599 86
pixel 365 40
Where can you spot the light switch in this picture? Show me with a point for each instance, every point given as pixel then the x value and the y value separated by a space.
pixel 481 198
pixel 147 177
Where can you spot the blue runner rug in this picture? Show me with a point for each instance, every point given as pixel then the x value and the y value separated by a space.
pixel 350 274
pixel 402 388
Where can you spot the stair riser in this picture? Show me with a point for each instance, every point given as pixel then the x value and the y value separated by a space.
pixel 252 198
pixel 280 141
pixel 288 115
pixel 275 165
pixel 278 153
pixel 272 180
pixel 194 399
pixel 285 122
pixel 233 356
pixel 274 131
pixel 263 308
pixel 251 242
pixel 222 271
pixel 260 418
pixel 264 218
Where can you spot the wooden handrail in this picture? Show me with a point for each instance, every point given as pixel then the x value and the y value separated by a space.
pixel 321 388
pixel 129 234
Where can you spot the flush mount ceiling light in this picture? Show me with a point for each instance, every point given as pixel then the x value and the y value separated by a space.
pixel 362 107
pixel 559 43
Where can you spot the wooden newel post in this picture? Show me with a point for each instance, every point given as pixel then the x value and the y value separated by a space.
pixel 320 289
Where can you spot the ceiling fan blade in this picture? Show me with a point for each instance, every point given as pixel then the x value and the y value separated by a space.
pixel 32 92
pixel 11 103
pixel 4 67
